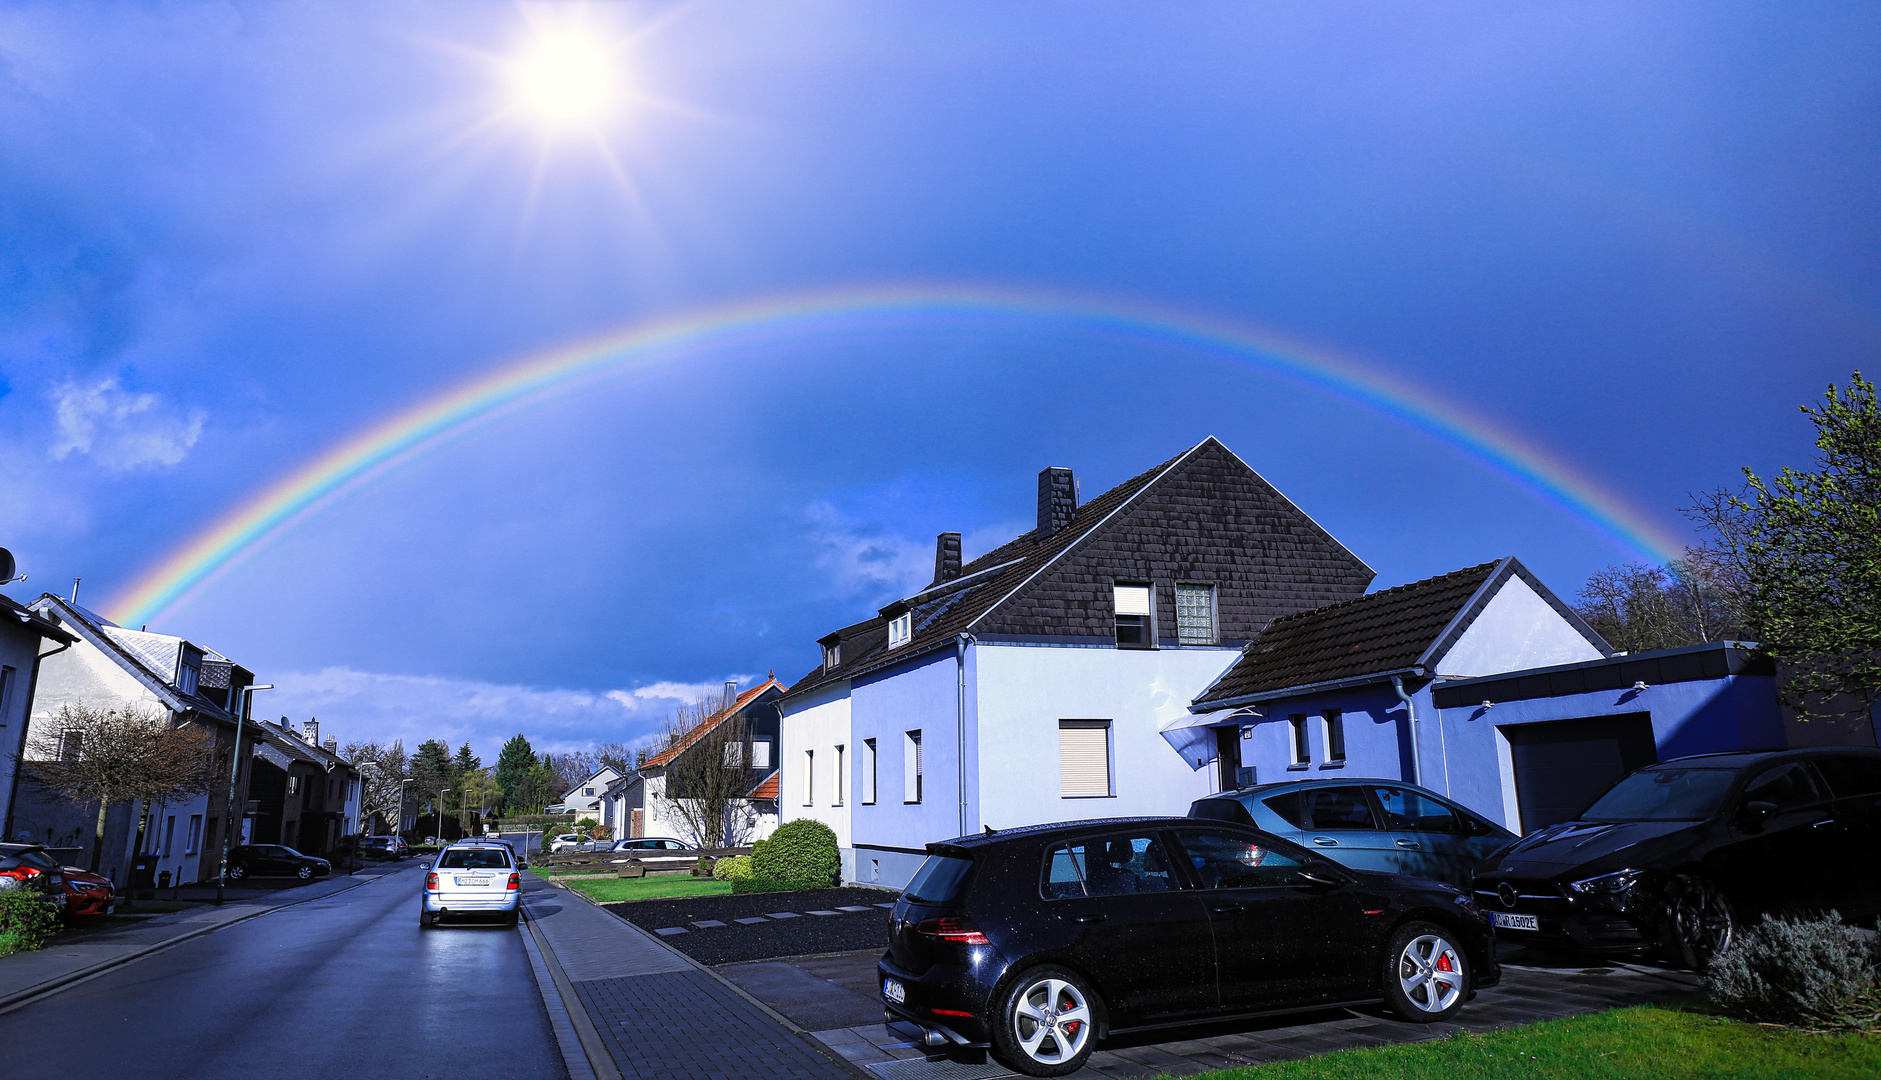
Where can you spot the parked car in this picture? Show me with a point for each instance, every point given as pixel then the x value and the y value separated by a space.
pixel 87 893
pixel 1682 855
pixel 1036 942
pixel 274 860
pixel 28 866
pixel 572 842
pixel 383 847
pixel 1382 825
pixel 474 880
pixel 656 852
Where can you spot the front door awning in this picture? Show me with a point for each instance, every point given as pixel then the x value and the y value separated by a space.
pixel 1193 736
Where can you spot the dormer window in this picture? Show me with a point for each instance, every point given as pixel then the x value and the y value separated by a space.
pixel 900 629
pixel 832 655
pixel 187 677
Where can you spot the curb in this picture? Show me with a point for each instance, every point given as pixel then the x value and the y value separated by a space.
pixel 788 1024
pixel 600 1063
pixel 20 998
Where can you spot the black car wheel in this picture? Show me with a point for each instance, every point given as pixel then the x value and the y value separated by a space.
pixel 237 873
pixel 1426 975
pixel 1044 1023
pixel 304 872
pixel 1697 922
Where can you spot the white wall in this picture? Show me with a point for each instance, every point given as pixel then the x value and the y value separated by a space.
pixel 818 721
pixel 1516 630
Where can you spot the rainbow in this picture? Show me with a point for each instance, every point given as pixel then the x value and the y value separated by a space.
pixel 520 384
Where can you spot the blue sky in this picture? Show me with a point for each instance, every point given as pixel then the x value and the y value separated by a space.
pixel 231 235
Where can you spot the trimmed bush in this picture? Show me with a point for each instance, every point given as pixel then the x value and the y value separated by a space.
pixel 704 867
pixel 802 851
pixel 733 869
pixel 1812 972
pixel 586 824
pixel 26 920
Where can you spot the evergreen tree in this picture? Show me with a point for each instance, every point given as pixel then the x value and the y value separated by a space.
pixel 514 763
pixel 431 768
pixel 465 761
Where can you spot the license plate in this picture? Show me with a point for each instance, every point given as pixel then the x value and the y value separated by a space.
pixel 894 991
pixel 1506 921
pixel 473 881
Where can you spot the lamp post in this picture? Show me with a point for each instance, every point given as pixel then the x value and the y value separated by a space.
pixel 437 814
pixel 235 771
pixel 359 820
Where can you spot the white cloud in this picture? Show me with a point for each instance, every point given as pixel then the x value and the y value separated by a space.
pixel 367 706
pixel 122 430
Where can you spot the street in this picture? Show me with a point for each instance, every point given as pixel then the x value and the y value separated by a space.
pixel 344 986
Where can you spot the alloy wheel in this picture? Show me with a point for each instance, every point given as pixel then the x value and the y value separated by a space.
pixel 1701 920
pixel 1430 972
pixel 1051 1021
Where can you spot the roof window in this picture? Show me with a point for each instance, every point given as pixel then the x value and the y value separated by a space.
pixel 900 629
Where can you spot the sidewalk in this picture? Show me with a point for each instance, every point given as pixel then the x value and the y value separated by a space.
pixel 651 1011
pixel 24 976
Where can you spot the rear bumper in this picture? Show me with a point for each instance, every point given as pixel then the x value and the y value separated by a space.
pixel 467 903
pixel 932 999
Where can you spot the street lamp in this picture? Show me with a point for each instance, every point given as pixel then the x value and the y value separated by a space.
pixel 437 814
pixel 359 819
pixel 235 770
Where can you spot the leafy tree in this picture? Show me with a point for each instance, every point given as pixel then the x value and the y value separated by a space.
pixel 1688 601
pixel 431 769
pixel 512 765
pixel 1808 546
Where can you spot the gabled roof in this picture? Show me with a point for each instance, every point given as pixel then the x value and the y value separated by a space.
pixel 41 625
pixel 766 789
pixel 615 789
pixel 985 585
pixel 1401 630
pixel 144 662
pixel 709 724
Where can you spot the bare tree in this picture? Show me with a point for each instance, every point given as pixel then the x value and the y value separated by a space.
pixel 707 780
pixel 1688 601
pixel 118 755
pixel 382 785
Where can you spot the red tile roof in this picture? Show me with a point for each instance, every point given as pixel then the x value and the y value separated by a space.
pixel 765 790
pixel 706 726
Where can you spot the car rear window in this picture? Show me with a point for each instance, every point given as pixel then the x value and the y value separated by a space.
pixel 1663 795
pixel 1336 808
pixel 939 881
pixel 40 859
pixel 1848 776
pixel 1221 810
pixel 474 859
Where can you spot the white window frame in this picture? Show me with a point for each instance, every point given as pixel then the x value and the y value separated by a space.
pixel 1213 636
pixel 1332 734
pixel 1072 786
pixel 868 772
pixel 760 753
pixel 832 655
pixel 1134 600
pixel 839 775
pixel 1299 749
pixel 809 778
pixel 911 766
pixel 901 630
pixel 193 840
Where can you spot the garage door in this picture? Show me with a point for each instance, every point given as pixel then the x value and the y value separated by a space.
pixel 1562 766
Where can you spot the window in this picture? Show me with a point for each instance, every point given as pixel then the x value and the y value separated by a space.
pixel 187 678
pixel 1336 808
pixel 1411 812
pixel 868 771
pixel 838 801
pixel 590 791
pixel 1791 786
pixel 293 785
pixel 900 629
pixel 193 838
pixel 1195 614
pixel 1133 615
pixel 71 745
pixel 1332 722
pixel 6 687
pixel 1111 866
pixel 911 767
pixel 1296 731
pixel 734 755
pixel 1084 759
pixel 1230 861
pixel 169 834
pixel 809 778
pixel 832 655
pixel 761 753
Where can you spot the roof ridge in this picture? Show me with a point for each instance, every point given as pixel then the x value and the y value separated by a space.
pixel 1362 598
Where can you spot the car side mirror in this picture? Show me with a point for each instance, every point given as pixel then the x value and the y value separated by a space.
pixel 1757 812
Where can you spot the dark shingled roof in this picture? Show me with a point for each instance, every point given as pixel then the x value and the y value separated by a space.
pixel 1206 498
pixel 1388 630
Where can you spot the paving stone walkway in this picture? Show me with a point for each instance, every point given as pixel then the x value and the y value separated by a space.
pixel 759 920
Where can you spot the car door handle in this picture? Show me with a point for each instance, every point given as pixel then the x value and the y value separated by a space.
pixel 1325 841
pixel 1824 821
pixel 1092 918
pixel 1226 909
pixel 1412 844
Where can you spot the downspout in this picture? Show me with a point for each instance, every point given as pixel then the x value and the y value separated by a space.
pixel 960 717
pixel 1410 713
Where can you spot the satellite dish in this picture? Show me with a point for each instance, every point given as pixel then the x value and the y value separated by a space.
pixel 7 566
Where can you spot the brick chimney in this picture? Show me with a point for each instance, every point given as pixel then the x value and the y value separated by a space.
pixel 333 745
pixel 310 731
pixel 946 557
pixel 1057 500
pixel 731 693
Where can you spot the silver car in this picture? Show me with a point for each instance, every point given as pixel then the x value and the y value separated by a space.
pixel 472 880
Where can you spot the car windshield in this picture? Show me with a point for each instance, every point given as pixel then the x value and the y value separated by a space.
pixel 1663 795
pixel 474 859
pixel 938 881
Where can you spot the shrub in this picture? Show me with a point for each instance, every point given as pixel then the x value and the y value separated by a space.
pixel 1818 972
pixel 586 824
pixel 704 867
pixel 733 869
pixel 764 884
pixel 26 920
pixel 802 851
pixel 552 831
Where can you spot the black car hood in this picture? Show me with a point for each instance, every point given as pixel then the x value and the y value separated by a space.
pixel 1578 843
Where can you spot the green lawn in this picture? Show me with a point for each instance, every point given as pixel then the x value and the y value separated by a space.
pixel 608 890
pixel 1625 1044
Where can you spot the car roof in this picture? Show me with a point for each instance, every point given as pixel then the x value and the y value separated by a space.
pixel 1742 758
pixel 1053 828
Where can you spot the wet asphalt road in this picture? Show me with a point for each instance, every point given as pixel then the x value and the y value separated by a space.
pixel 342 987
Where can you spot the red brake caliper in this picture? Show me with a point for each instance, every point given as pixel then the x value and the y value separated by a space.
pixel 1443 962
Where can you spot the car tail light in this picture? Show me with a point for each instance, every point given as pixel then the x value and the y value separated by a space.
pixel 431 883
pixel 961 931
pixel 515 881
pixel 20 873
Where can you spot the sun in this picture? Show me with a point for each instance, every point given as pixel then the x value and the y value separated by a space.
pixel 567 78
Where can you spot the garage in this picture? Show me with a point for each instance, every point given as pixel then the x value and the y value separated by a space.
pixel 1563 765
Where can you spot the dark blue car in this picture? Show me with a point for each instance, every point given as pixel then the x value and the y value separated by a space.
pixel 1367 824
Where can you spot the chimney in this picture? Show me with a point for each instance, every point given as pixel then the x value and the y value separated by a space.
pixel 1057 500
pixel 333 745
pixel 946 557
pixel 310 731
pixel 731 692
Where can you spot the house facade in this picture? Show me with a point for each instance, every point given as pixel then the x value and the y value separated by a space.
pixel 1032 683
pixel 585 798
pixel 303 794
pixel 25 637
pixel 747 763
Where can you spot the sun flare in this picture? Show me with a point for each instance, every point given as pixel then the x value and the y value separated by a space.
pixel 566 78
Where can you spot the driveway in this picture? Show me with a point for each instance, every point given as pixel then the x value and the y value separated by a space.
pixel 836 998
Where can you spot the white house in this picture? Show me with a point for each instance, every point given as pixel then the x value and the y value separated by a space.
pixel 585 798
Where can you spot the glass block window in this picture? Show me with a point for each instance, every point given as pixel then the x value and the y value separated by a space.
pixel 1195 614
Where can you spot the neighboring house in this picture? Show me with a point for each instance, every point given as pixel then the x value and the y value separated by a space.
pixel 585 798
pixel 111 667
pixel 303 795
pixel 1030 684
pixel 1479 684
pixel 25 637
pixel 622 806
pixel 754 817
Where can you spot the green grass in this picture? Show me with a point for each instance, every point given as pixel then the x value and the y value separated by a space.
pixel 610 890
pixel 1624 1044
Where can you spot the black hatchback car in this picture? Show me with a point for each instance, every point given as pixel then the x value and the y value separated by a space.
pixel 1679 856
pixel 275 860
pixel 1036 942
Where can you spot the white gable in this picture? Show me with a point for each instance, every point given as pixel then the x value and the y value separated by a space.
pixel 1517 629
